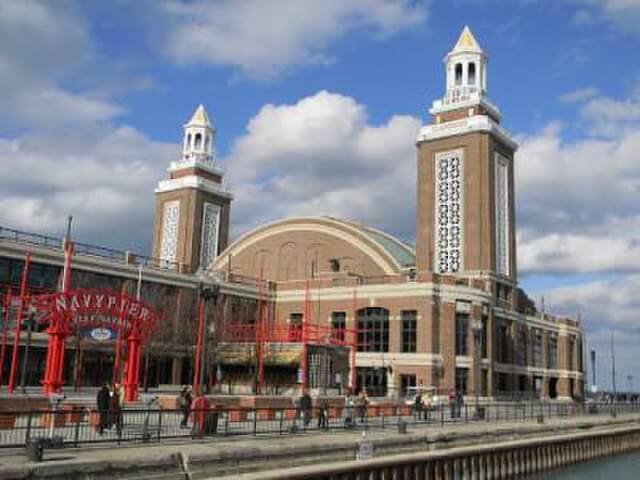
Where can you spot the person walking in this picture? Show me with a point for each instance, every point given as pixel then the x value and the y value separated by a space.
pixel 323 415
pixel 418 406
pixel 306 405
pixel 452 404
pixel 349 404
pixel 459 403
pixel 103 400
pixel 117 401
pixel 363 403
pixel 185 405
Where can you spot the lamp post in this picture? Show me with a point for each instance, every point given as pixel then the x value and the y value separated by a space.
pixel 477 339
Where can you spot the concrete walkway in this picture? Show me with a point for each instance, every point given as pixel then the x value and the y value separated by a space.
pixel 222 456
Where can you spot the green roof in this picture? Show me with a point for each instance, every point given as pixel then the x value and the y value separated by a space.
pixel 401 252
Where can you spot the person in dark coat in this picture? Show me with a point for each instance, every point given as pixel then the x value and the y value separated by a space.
pixel 323 415
pixel 306 405
pixel 185 405
pixel 103 401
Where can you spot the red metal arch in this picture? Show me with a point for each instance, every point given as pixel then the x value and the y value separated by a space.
pixel 130 318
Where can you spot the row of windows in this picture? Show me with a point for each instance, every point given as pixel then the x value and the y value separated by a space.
pixel 373 328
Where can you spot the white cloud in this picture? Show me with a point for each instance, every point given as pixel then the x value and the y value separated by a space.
pixel 107 185
pixel 578 203
pixel 263 38
pixel 607 116
pixel 579 95
pixel 321 156
pixel 625 14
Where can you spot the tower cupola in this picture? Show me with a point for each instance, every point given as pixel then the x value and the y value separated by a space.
pixel 466 81
pixel 199 137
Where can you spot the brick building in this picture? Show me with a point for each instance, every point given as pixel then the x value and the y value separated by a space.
pixel 448 312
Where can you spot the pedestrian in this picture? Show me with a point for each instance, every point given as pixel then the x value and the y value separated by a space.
pixel 362 404
pixel 348 410
pixel 452 403
pixel 323 415
pixel 185 405
pixel 459 403
pixel 306 405
pixel 117 401
pixel 418 406
pixel 103 401
pixel 428 405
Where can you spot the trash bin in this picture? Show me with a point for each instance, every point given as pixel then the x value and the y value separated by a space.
pixel 35 449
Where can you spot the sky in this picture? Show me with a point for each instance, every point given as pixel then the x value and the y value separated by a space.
pixel 317 106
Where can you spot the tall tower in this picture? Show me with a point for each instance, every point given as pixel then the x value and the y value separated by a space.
pixel 466 212
pixel 192 206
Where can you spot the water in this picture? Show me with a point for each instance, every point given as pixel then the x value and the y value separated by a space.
pixel 619 467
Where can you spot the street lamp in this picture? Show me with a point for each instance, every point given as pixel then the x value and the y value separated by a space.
pixel 477 338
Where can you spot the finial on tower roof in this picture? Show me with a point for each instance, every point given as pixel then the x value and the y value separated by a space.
pixel 199 118
pixel 466 42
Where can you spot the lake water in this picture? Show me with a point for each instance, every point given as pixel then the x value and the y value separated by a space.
pixel 619 467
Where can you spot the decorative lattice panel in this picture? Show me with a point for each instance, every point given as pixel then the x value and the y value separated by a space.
pixel 169 243
pixel 448 215
pixel 210 229
pixel 502 214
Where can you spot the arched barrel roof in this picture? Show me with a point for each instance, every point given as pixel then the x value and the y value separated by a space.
pixel 379 252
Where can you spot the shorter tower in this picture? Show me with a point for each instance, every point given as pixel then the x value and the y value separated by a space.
pixel 192 207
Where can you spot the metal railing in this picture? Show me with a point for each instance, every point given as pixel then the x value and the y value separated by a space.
pixel 78 426
pixel 54 243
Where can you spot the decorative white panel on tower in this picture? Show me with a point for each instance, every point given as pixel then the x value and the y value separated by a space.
pixel 169 242
pixel 502 214
pixel 210 234
pixel 448 214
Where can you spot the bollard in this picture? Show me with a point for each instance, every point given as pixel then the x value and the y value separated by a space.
pixel 402 426
pixel 35 449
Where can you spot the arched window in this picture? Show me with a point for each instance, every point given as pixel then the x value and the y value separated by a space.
pixel 197 144
pixel 471 73
pixel 206 141
pixel 458 73
pixel 189 141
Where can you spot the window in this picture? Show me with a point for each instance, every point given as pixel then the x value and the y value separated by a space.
pixel 462 375
pixel 458 73
pixel 189 141
pixel 471 74
pixel 409 331
pixel 521 350
pixel 373 329
pixel 552 352
pixel 295 327
pixel 374 380
pixel 483 338
pixel 197 144
pixel 502 382
pixel 537 348
pixel 570 353
pixel 338 325
pixel 502 345
pixel 407 381
pixel 462 333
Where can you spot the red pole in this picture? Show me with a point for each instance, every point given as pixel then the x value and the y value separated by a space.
pixel 354 343
pixel 260 335
pixel 305 321
pixel 132 367
pixel 5 331
pixel 200 334
pixel 58 331
pixel 16 337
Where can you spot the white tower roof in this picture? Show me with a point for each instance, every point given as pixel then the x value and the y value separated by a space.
pixel 199 118
pixel 466 43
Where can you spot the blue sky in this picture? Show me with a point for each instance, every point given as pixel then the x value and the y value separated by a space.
pixel 317 106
